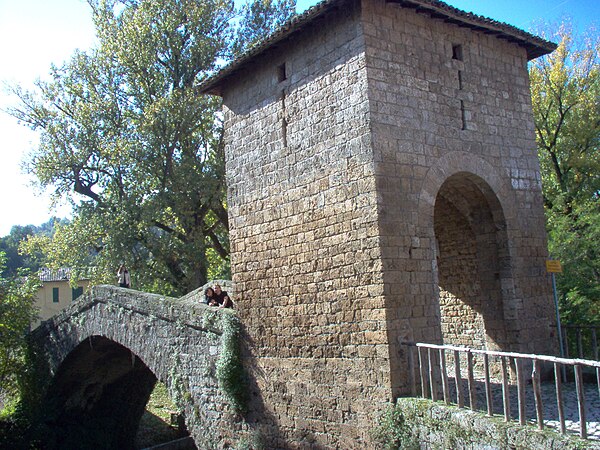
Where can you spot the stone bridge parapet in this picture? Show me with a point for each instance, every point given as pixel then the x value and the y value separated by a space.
pixel 103 354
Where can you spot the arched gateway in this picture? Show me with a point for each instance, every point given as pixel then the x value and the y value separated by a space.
pixel 473 263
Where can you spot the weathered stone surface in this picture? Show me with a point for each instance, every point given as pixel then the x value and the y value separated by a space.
pixel 385 189
pixel 303 232
pixel 383 186
pixel 105 352
pixel 432 426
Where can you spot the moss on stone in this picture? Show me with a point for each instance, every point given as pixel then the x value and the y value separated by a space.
pixel 413 423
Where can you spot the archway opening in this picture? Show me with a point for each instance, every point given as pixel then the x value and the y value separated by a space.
pixel 472 263
pixel 97 397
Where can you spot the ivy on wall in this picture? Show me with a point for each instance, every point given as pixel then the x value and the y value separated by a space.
pixel 230 370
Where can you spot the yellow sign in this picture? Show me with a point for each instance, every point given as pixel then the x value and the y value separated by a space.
pixel 553 266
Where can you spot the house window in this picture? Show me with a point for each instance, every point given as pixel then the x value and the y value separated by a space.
pixel 55 295
pixel 76 292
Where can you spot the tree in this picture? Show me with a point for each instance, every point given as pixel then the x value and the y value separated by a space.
pixel 16 314
pixel 259 19
pixel 128 139
pixel 10 244
pixel 566 105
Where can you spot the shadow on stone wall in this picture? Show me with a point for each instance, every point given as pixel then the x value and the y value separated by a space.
pixel 263 427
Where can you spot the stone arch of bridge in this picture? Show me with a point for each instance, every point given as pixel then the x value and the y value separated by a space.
pixel 101 385
pixel 103 354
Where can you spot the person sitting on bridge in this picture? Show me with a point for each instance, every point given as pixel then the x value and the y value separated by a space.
pixel 222 297
pixel 209 297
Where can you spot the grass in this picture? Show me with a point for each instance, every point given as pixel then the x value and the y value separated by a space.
pixel 155 426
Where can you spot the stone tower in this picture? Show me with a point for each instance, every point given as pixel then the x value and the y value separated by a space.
pixel 383 186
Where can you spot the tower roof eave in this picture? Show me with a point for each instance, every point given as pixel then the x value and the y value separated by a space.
pixel 534 45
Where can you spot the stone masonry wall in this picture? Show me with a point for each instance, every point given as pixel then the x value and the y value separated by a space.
pixel 460 291
pixel 446 100
pixel 428 425
pixel 469 255
pixel 304 237
pixel 178 340
pixel 338 142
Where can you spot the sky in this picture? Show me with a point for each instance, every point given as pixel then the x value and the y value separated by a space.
pixel 36 33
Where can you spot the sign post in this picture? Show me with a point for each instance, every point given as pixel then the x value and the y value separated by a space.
pixel 553 266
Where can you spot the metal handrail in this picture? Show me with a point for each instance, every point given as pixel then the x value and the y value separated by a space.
pixel 433 370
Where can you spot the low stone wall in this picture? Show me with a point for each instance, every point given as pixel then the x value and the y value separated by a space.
pixel 423 424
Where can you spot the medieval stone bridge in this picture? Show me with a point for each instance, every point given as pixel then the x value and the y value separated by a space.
pixel 104 354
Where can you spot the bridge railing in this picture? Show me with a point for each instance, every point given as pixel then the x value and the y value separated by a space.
pixel 465 377
pixel 581 341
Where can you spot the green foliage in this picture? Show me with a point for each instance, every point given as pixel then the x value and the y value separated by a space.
pixel 259 19
pixel 209 317
pixel 255 441
pixel 392 432
pixel 218 268
pixel 66 247
pixel 127 139
pixel 230 370
pixel 23 425
pixel 19 380
pixel 573 239
pixel 155 425
pixel 565 89
pixel 16 313
pixel 414 422
pixel 10 245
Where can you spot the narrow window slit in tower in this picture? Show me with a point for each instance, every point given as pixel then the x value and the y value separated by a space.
pixel 463 115
pixel 281 73
pixel 283 120
pixel 457 52
pixel 460 80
